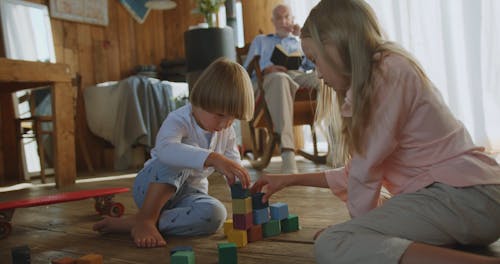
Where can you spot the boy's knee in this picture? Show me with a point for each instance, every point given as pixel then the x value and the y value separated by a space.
pixel 213 215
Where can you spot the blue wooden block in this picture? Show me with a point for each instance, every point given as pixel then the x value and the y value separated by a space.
pixel 257 201
pixel 237 191
pixel 181 248
pixel 21 255
pixel 279 211
pixel 260 216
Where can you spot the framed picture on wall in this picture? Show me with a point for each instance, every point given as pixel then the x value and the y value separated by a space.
pixel 88 11
pixel 137 9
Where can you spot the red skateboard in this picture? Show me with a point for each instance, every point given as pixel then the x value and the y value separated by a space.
pixel 103 204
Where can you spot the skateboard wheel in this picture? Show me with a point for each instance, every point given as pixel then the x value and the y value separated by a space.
pixel 116 210
pixel 100 208
pixel 5 229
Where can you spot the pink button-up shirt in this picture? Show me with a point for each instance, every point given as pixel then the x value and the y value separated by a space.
pixel 413 141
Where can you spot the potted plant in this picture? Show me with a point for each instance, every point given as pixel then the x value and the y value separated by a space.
pixel 204 45
pixel 208 8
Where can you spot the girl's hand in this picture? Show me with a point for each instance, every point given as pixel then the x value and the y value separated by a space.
pixel 228 168
pixel 271 183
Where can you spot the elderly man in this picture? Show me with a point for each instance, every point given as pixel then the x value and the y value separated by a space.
pixel 280 84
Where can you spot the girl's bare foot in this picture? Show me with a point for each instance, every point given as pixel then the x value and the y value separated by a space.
pixel 115 225
pixel 146 235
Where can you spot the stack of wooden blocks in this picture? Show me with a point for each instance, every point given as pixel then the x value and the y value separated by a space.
pixel 254 220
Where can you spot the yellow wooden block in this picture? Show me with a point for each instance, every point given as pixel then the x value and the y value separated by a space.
pixel 228 226
pixel 242 206
pixel 239 237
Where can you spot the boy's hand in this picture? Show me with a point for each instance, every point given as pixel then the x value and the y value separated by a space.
pixel 229 168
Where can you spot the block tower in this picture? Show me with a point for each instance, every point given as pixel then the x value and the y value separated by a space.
pixel 253 220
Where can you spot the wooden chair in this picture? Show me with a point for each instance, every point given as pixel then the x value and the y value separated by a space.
pixel 35 127
pixel 263 137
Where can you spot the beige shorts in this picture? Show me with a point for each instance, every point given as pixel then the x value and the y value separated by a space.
pixel 437 215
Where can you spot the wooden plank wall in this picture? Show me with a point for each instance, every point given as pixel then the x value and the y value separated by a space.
pixel 110 53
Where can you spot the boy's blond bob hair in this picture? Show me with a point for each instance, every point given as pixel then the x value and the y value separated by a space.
pixel 224 87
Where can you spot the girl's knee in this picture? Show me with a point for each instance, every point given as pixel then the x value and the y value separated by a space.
pixel 331 244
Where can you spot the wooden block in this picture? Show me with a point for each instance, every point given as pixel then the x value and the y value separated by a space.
pixel 257 201
pixel 242 221
pixel 182 257
pixel 227 253
pixel 239 237
pixel 260 216
pixel 89 259
pixel 237 191
pixel 290 224
pixel 279 211
pixel 254 233
pixel 271 228
pixel 228 226
pixel 65 260
pixel 180 248
pixel 21 255
pixel 242 206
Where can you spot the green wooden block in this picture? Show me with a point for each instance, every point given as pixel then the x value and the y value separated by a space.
pixel 182 257
pixel 290 224
pixel 271 228
pixel 227 253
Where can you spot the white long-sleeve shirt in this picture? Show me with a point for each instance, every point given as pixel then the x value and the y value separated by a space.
pixel 183 145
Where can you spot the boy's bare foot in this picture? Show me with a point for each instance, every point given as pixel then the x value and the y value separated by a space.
pixel 146 235
pixel 115 225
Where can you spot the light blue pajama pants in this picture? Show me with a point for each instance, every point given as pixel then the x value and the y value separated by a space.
pixel 438 215
pixel 189 212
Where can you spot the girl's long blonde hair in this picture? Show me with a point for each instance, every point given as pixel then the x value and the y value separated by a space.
pixel 352 27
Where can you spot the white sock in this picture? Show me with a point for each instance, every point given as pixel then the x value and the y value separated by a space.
pixel 288 164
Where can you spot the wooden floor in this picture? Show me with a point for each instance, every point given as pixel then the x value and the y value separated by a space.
pixel 64 230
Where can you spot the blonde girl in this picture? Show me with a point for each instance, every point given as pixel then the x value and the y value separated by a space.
pixel 392 130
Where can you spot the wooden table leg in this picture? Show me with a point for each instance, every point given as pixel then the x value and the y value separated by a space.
pixel 64 133
pixel 10 173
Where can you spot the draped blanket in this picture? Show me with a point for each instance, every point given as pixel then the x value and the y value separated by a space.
pixel 130 112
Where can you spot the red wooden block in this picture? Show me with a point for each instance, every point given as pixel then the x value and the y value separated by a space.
pixel 254 233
